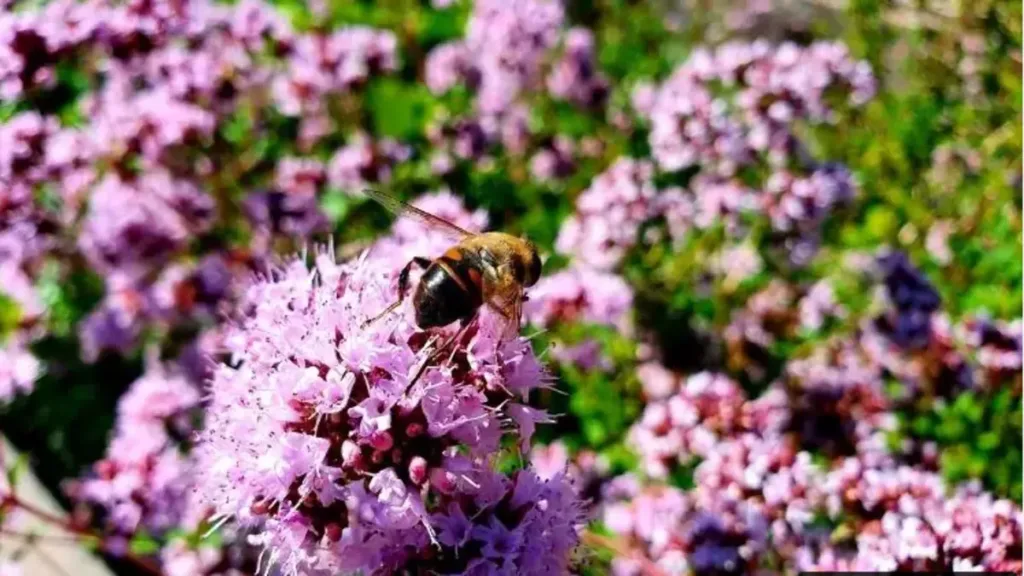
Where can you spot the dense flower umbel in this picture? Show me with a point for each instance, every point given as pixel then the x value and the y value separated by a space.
pixel 317 435
pixel 580 294
pixel 706 408
pixel 575 76
pixel 142 172
pixel 881 516
pixel 774 87
pixel 145 478
pixel 609 214
pixel 668 532
pixel 507 42
pixel 135 226
pixel 797 207
pixel 330 64
pixel 906 519
pixel 364 162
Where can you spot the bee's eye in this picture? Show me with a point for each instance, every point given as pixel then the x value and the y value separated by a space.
pixel 535 267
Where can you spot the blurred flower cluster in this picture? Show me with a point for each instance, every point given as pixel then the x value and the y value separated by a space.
pixel 778 326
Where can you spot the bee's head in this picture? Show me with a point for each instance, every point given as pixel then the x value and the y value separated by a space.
pixel 533 265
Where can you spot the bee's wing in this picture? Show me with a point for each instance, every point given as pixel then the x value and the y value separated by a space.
pixel 505 295
pixel 400 208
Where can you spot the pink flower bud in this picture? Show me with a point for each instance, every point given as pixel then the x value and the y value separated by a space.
pixel 418 470
pixel 350 454
pixel 382 441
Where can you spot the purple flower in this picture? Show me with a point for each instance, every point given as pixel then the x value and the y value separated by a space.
pixel 324 64
pixel 196 290
pixel 913 298
pixel 689 423
pixel 609 214
pixel 148 122
pixel 23 141
pixel 447 65
pixel 273 212
pixel 771 86
pixel 554 161
pixel 666 530
pixel 133 226
pixel 19 369
pixel 143 482
pixel 837 400
pixel 299 176
pixel 580 294
pixel 453 527
pixel 996 344
pixel 364 162
pixel 819 304
pixel 798 207
pixel 18 288
pixel 318 438
pixel 507 42
pixel 463 139
pixel 916 524
pixel 575 76
pixel 114 324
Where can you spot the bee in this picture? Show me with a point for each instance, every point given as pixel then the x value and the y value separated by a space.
pixel 491 268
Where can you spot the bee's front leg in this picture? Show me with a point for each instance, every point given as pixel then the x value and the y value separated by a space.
pixel 434 355
pixel 403 288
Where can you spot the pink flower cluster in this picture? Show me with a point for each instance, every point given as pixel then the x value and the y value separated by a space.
pixel 760 498
pixel 513 50
pixel 583 296
pixel 144 480
pixel 773 86
pixel 320 437
pixel 689 423
pixel 502 53
pixel 797 207
pixel 575 76
pixel 620 201
pixel 609 214
pixel 759 502
pixel 667 531
pixel 322 66
pixel 148 171
pixel 580 294
pixel 363 162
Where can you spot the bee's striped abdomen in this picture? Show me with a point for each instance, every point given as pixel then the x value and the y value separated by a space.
pixel 450 290
pixel 466 269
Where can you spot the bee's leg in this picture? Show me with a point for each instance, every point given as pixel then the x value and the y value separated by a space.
pixel 403 288
pixel 463 326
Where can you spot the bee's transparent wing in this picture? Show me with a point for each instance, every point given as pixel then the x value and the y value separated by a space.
pixel 504 295
pixel 400 208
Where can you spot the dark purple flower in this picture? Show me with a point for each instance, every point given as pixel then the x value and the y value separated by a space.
pixel 913 298
pixel 274 212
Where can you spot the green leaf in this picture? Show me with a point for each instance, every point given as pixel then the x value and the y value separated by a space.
pixel 143 544
pixel 398 110
pixel 10 316
pixel 336 205
pixel 15 470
